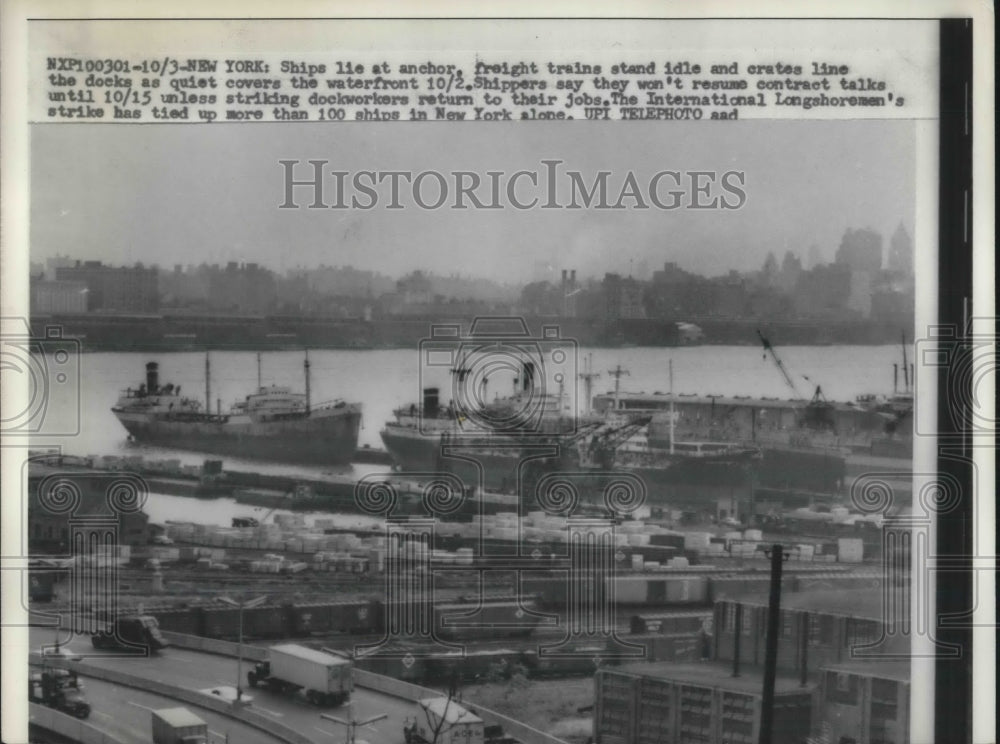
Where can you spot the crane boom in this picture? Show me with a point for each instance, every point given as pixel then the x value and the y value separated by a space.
pixel 780 365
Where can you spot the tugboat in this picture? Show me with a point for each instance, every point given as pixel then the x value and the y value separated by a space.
pixel 272 423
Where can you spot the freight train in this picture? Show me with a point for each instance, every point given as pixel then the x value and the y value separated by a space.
pixel 493 618
pixel 497 617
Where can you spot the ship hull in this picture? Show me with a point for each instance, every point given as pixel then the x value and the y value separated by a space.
pixel 514 469
pixel 483 466
pixel 331 438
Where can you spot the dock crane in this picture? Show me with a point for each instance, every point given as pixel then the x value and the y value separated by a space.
pixel 768 349
pixel 818 412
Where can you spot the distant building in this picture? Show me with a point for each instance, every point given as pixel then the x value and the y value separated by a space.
pixel 127 289
pixel 569 291
pixel 901 252
pixel 52 265
pixel 859 298
pixel 247 288
pixel 58 298
pixel 415 289
pixel 860 250
pixel 822 292
pixel 623 298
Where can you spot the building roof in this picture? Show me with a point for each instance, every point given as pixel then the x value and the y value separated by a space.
pixel 716 675
pixel 848 602
pixel 898 671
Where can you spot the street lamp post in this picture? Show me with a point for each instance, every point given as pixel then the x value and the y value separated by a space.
pixel 242 605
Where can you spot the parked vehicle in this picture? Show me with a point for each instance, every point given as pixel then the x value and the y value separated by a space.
pixel 59 689
pixel 178 726
pixel 325 679
pixel 131 631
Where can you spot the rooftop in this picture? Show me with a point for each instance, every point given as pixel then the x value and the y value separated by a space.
pixel 894 670
pixel 716 675
pixel 853 602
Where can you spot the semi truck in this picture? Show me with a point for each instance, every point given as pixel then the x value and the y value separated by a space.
pixel 59 689
pixel 441 720
pixel 323 678
pixel 130 631
pixel 178 726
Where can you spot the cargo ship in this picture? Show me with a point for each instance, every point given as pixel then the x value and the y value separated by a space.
pixel 272 423
pixel 806 444
pixel 516 457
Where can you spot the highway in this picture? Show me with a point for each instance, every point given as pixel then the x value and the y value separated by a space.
pixel 125 714
pixel 197 671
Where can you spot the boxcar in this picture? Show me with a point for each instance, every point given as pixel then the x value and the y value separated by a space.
pixel 309 618
pixel 266 621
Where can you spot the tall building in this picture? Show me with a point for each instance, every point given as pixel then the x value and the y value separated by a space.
pixel 623 298
pixel 58 298
pixel 901 252
pixel 127 289
pixel 860 250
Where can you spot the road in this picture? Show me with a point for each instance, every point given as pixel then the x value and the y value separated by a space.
pixel 198 671
pixel 125 714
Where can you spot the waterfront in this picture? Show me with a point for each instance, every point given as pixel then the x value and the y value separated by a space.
pixel 385 380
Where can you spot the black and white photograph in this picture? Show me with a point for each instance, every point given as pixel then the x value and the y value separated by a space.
pixel 472 378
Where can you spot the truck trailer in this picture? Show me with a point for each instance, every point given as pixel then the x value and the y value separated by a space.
pixel 323 678
pixel 178 726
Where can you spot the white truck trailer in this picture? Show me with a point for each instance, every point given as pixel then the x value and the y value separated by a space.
pixel 325 679
pixel 443 721
pixel 178 726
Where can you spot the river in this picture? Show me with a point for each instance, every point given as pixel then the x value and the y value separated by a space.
pixel 383 380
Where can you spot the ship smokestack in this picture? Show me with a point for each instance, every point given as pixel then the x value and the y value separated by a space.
pixel 152 377
pixel 431 402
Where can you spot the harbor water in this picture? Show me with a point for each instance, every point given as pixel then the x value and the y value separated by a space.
pixel 384 380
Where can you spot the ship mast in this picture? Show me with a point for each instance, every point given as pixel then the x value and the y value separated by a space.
pixel 588 377
pixel 617 373
pixel 671 367
pixel 259 383
pixel 306 366
pixel 208 385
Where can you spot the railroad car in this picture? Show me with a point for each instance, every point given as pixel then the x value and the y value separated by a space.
pixel 180 620
pixel 220 622
pixel 266 621
pixel 309 618
pixel 490 619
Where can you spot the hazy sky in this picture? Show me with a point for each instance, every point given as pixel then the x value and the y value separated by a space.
pixel 191 193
